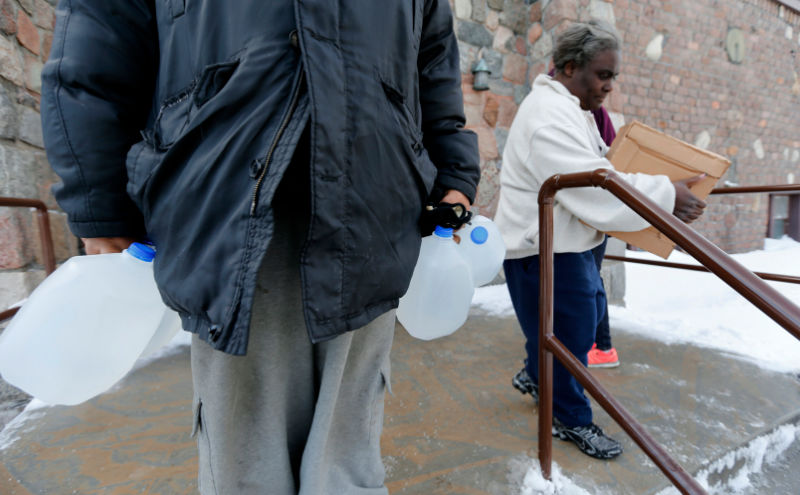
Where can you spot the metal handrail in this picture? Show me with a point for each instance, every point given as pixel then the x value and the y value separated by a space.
pixel 43 218
pixel 765 297
pixel 776 277
pixel 756 189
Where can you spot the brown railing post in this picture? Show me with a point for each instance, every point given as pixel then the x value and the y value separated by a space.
pixel 43 219
pixel 545 332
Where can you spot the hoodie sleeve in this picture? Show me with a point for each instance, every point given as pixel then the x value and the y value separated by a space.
pixel 97 89
pixel 453 149
pixel 564 149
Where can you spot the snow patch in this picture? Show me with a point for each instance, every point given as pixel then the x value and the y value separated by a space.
pixel 16 427
pixel 732 473
pixel 685 307
pixel 493 300
pixel 533 483
pixel 700 309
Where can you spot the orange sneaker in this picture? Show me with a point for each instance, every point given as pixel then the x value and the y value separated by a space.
pixel 603 359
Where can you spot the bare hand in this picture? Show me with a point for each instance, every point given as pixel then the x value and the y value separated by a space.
pixel 688 207
pixel 104 245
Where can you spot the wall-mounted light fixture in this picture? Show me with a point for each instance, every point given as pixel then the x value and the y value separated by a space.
pixel 481 73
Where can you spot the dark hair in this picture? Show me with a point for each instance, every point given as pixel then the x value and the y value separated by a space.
pixel 582 41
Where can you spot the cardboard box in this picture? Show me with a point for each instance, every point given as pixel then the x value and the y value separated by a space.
pixel 639 148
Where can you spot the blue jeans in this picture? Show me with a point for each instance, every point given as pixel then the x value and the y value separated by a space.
pixel 603 334
pixel 579 306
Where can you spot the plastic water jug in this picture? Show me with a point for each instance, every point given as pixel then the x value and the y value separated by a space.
pixel 83 328
pixel 438 298
pixel 483 248
pixel 168 327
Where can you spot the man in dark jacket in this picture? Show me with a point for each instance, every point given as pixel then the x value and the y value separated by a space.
pixel 278 153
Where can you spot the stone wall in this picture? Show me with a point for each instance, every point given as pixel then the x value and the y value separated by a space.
pixel 25 37
pixel 515 39
pixel 676 76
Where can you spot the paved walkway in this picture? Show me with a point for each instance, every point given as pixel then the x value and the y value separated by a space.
pixel 453 426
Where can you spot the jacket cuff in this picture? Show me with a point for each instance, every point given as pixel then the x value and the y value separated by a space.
pixel 119 228
pixel 445 182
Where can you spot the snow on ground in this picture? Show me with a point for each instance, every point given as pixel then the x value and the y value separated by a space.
pixel 16 427
pixel 698 308
pixel 681 306
pixel 742 464
pixel 739 466
pixel 533 483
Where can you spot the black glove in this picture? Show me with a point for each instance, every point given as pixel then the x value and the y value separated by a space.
pixel 448 215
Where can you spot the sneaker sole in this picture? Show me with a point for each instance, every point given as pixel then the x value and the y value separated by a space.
pixel 604 365
pixel 525 391
pixel 591 453
pixel 521 389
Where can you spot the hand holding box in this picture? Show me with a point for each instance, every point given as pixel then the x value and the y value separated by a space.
pixel 639 148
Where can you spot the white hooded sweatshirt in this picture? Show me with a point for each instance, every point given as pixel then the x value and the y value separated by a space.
pixel 551 135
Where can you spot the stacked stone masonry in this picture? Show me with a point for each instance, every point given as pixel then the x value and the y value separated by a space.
pixel 26 28
pixel 677 76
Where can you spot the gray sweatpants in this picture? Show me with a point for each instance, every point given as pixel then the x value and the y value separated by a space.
pixel 291 417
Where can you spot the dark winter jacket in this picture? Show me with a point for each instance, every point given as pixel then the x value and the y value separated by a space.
pixel 194 107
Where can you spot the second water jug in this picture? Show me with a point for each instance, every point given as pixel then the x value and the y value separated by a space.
pixel 438 299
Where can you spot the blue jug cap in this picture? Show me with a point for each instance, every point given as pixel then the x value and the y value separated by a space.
pixel 142 251
pixel 479 235
pixel 443 232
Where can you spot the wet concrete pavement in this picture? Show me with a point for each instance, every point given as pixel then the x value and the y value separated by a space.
pixel 453 426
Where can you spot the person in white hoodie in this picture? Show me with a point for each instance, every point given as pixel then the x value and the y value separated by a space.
pixel 555 133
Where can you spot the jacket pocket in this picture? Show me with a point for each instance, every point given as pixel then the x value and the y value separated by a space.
pixel 197 423
pixel 532 234
pixel 177 111
pixel 405 119
pixel 142 159
pixel 424 169
pixel 176 7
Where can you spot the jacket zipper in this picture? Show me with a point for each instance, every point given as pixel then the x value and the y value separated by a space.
pixel 278 134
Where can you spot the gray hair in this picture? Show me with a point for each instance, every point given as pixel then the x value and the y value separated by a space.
pixel 582 41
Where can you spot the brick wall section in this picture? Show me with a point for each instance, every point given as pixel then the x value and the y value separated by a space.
pixel 25 37
pixel 748 111
pixel 676 77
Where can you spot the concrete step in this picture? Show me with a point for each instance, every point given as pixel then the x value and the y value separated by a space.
pixel 453 426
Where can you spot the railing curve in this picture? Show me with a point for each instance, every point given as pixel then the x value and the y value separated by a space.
pixel 45 235
pixel 765 297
